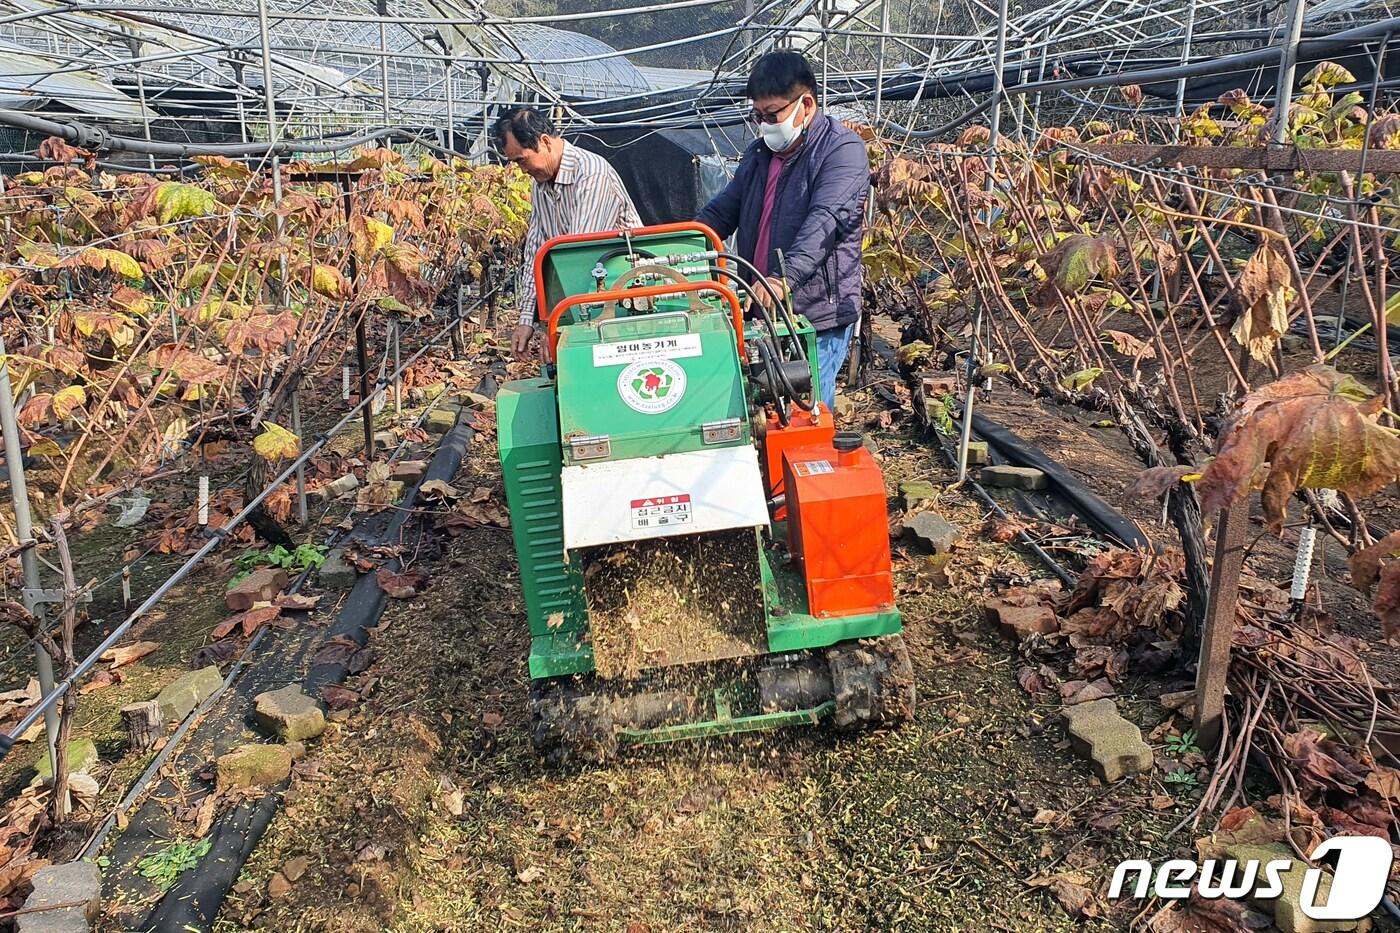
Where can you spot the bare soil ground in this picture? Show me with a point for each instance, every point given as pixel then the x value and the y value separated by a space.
pixel 427 809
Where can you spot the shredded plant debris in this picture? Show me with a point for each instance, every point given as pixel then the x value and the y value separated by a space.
pixel 672 601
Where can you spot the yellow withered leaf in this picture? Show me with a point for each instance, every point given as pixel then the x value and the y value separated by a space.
pixel 276 443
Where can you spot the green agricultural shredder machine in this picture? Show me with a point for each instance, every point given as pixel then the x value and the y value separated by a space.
pixel 701 552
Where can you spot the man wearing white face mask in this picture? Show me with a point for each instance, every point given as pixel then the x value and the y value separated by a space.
pixel 801 189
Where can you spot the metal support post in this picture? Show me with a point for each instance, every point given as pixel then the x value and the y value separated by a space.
pixel 825 7
pixel 451 117
pixel 1185 58
pixel 239 85
pixel 398 380
pixel 135 45
pixel 29 561
pixel 301 469
pixel 273 135
pixel 1213 668
pixel 1288 65
pixel 998 91
pixel 362 357
pixel 965 436
pixel 485 113
pixel 382 8
pixel 1044 56
pixel 880 63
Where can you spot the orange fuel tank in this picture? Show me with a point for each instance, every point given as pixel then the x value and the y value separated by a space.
pixel 838 531
pixel 804 429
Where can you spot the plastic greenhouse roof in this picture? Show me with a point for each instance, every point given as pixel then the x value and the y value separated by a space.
pixel 327 65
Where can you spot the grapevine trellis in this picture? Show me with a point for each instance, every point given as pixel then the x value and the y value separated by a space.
pixel 161 294
pixel 1201 309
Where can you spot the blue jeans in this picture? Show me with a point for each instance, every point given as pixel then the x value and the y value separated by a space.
pixel 832 347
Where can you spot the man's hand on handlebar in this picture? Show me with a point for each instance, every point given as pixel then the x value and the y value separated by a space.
pixel 764 296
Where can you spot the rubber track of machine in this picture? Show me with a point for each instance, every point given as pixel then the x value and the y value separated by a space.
pixel 873 682
pixel 569 726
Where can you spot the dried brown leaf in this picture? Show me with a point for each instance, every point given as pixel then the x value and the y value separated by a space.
pixel 1262 293
pixel 1156 482
pixel 1305 431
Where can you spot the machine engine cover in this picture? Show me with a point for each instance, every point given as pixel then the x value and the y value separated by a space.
pixel 838 530
pixel 684 493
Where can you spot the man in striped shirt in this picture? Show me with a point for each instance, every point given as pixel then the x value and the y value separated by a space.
pixel 574 192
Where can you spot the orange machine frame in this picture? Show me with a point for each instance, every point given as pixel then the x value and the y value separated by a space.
pixel 542 312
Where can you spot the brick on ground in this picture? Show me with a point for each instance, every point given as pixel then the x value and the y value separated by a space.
pixel 1286 909
pixel 82 755
pixel 260 586
pixel 289 714
pixel 1013 477
pixel 1021 621
pixel 335 571
pixel 934 530
pixel 253 765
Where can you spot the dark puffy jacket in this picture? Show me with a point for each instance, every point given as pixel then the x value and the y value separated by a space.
pixel 818 218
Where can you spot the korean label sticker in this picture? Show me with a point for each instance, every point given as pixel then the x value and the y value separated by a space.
pixel 648 348
pixel 813 467
pixel 661 511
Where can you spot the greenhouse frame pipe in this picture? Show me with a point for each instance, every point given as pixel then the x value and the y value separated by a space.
pixel 1288 65
pixel 447 92
pixel 216 537
pixel 785 29
pixel 594 57
pixel 91 137
pixel 1185 59
pixel 993 140
pixel 880 61
pixel 29 563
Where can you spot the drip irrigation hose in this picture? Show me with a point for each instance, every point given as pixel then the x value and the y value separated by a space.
pixel 1067 578
pixel 194 902
pixel 138 786
pixel 216 537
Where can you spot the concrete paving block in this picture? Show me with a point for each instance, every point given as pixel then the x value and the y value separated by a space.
pixel 340 486
pixel 253 765
pixel 1013 477
pixel 82 755
pixel 977 453
pixel 1286 909
pixel 916 491
pixel 289 714
pixel 76 883
pixel 335 571
pixel 182 695
pixel 1112 744
pixel 934 530
pixel 440 421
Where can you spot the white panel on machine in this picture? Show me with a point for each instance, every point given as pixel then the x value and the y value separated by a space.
pixel 654 497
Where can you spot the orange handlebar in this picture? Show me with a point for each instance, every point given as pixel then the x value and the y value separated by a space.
pixel 649 291
pixel 602 236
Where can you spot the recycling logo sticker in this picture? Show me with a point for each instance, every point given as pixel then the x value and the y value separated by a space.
pixel 651 386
